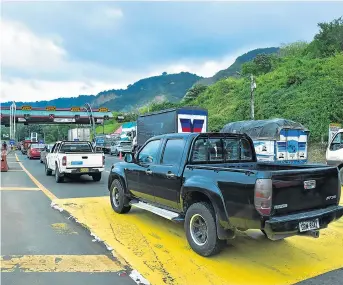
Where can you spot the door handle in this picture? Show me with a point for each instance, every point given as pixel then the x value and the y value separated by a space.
pixel 170 175
pixel 149 172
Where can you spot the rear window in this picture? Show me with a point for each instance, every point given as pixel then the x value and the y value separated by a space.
pixel 221 150
pixel 38 146
pixel 73 147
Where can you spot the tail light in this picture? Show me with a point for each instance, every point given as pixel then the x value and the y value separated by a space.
pixel 103 160
pixel 263 196
pixel 64 160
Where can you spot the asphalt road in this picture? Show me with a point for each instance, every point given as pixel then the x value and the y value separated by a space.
pixel 29 227
pixel 42 246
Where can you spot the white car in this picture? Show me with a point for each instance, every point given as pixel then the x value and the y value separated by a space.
pixel 73 159
pixel 334 153
pixel 121 147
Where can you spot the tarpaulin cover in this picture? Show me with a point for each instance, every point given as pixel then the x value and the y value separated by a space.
pixel 262 129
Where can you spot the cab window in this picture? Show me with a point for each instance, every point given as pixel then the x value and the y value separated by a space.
pixel 337 142
pixel 149 152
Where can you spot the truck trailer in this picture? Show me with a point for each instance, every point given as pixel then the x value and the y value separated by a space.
pixel 79 134
pixel 176 120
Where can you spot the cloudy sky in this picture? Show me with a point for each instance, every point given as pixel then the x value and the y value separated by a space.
pixel 62 49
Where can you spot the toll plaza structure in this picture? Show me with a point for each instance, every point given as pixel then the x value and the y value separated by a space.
pixel 51 115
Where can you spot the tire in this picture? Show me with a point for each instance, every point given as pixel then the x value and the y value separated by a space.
pixel 58 177
pixel 96 177
pixel 119 203
pixel 41 161
pixel 205 245
pixel 48 172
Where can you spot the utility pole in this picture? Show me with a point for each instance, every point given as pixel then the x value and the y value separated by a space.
pixel 252 99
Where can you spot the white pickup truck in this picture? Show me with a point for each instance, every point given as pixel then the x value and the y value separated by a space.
pixel 334 153
pixel 73 159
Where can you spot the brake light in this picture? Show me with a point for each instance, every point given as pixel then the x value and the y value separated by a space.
pixel 263 196
pixel 64 160
pixel 103 160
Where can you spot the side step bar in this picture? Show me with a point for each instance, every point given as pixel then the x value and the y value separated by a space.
pixel 158 211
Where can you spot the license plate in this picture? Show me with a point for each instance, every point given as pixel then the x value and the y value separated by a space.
pixel 84 169
pixel 309 225
pixel 76 162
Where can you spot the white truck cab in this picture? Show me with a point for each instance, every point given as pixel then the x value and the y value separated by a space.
pixel 334 153
pixel 73 159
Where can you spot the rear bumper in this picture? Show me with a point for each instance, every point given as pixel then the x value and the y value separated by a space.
pixel 77 171
pixel 284 226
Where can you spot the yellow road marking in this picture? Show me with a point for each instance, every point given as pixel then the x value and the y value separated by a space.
pixel 59 263
pixel 19 188
pixel 16 157
pixel 39 185
pixel 63 228
pixel 158 249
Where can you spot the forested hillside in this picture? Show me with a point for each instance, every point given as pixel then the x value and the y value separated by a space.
pixel 303 82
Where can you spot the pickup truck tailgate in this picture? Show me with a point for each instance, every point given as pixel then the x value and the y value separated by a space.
pixel 307 189
pixel 84 160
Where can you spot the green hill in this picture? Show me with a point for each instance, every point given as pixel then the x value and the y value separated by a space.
pixel 237 65
pixel 303 82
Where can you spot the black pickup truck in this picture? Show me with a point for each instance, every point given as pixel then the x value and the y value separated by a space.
pixel 213 183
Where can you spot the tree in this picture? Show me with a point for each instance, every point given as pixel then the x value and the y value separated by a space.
pixel 261 64
pixel 194 92
pixel 329 40
pixel 296 49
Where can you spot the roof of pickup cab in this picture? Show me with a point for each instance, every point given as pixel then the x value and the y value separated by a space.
pixel 193 135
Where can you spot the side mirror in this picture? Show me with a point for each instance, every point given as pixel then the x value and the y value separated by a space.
pixel 128 158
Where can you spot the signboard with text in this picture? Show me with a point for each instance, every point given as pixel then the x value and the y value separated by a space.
pixel 50 108
pixel 75 109
pixel 26 108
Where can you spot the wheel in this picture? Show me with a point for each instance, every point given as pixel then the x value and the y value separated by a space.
pixel 201 229
pixel 58 177
pixel 48 172
pixel 41 161
pixel 119 202
pixel 341 175
pixel 96 177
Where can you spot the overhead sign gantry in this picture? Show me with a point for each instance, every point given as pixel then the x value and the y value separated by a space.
pixel 27 114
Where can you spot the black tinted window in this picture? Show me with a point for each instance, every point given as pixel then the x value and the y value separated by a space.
pixel 231 149
pixel 72 147
pixel 173 152
pixel 246 153
pixel 149 152
pixel 200 150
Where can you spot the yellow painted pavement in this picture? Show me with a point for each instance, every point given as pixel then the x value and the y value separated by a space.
pixel 59 263
pixel 158 249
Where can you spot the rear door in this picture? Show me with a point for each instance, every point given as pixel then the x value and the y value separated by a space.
pixel 52 156
pixel 304 189
pixel 167 175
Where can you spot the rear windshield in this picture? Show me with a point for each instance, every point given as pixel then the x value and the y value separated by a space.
pixel 221 150
pixel 124 143
pixel 39 146
pixel 76 147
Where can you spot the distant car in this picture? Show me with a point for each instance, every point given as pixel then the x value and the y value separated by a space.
pixel 334 153
pixel 44 153
pixel 34 151
pixel 121 147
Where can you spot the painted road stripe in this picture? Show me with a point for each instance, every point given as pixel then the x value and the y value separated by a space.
pixel 19 188
pixel 59 263
pixel 50 195
pixel 158 249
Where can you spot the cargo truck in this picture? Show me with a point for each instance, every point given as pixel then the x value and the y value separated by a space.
pixel 79 134
pixel 176 120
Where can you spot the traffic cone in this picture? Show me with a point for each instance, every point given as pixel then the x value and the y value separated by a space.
pixel 120 156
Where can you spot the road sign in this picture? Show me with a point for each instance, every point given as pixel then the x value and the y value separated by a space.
pixel 50 108
pixel 75 109
pixel 41 142
pixel 103 109
pixel 51 116
pixel 12 142
pixel 26 108
pixel 76 140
